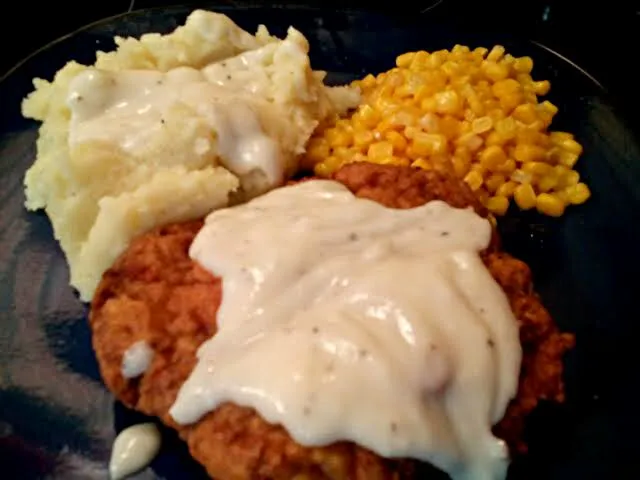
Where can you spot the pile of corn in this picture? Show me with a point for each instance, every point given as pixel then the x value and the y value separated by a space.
pixel 475 112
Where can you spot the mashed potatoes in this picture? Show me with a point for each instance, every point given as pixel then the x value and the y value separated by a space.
pixel 165 128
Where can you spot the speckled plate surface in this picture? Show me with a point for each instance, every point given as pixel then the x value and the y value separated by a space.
pixel 58 421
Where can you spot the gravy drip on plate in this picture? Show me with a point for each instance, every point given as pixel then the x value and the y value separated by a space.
pixel 126 108
pixel 342 319
pixel 133 449
pixel 136 359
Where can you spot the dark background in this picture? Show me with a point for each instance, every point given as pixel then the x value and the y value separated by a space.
pixel 602 36
pixel 599 35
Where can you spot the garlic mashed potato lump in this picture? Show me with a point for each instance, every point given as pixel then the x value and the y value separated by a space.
pixel 165 129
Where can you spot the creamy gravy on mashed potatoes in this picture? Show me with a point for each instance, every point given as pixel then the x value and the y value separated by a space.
pixel 374 325
pixel 163 130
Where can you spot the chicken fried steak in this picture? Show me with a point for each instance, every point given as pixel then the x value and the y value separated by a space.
pixel 156 293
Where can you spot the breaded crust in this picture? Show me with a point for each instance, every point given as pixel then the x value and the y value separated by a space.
pixel 155 292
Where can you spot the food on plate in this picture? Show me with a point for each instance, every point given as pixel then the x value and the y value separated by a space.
pixel 165 129
pixel 362 341
pixel 133 449
pixel 476 112
pixel 360 324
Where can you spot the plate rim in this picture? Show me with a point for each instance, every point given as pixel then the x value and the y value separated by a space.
pixel 303 8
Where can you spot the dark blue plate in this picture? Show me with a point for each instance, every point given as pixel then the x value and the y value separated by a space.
pixel 57 420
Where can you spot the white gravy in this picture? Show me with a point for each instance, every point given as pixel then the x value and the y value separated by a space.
pixel 133 449
pixel 136 359
pixel 127 107
pixel 342 319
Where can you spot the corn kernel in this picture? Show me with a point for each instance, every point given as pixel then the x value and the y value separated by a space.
pixel 578 194
pixel 463 153
pixel 526 135
pixel 508 59
pixel 492 157
pixel 537 168
pixel 525 196
pixel 474 180
pixel 317 151
pixel 425 144
pixel 322 170
pixel 464 127
pixel 529 153
pixel 480 51
pixel 435 60
pixel 541 88
pixel 331 135
pixel 558 137
pixel 479 169
pixel 344 138
pixel 403 91
pixel 481 125
pixel 541 139
pixel 379 150
pixel 368 82
pixel 570 145
pixel 476 106
pixel 508 167
pixel 507 128
pixel 494 138
pixel 470 140
pixel 448 102
pixel 460 166
pixel 496 114
pixel 521 177
pixel 496 53
pixel 362 138
pixel 525 113
pixel 400 161
pixel 411 153
pixel 550 205
pixel 566 158
pixel 569 178
pixel 367 116
pixel 523 65
pixel 494 182
pixel 506 87
pixel 383 127
pixel 549 107
pixel 429 104
pixel 430 123
pixel 404 60
pixel 449 127
pixel 563 194
pixel 419 61
pixel 525 80
pixel 506 189
pixel 495 71
pixel 497 205
pixel 343 152
pixel 510 101
pixel 451 69
pixel 397 140
pixel 547 183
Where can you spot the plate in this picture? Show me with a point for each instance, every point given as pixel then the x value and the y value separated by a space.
pixel 58 421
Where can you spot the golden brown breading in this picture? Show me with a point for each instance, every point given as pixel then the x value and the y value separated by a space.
pixel 154 292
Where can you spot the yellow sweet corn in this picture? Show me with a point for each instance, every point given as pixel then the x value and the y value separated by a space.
pixel 473 112
pixel 550 204
pixel 525 196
